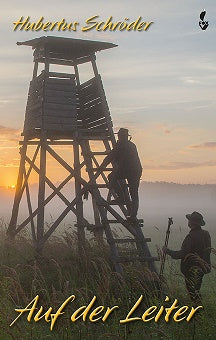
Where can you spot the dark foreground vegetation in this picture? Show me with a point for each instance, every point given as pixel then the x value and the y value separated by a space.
pixel 61 272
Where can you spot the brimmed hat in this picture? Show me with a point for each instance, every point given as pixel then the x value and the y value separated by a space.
pixel 123 132
pixel 196 218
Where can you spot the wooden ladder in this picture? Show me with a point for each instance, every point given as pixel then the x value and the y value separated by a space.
pixel 102 207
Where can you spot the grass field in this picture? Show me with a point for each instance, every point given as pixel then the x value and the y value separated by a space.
pixel 61 272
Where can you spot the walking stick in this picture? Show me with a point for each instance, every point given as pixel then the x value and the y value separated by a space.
pixel 170 222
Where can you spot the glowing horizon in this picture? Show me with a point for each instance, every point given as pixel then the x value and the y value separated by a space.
pixel 160 84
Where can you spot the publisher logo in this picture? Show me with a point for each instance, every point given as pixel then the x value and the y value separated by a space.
pixel 203 24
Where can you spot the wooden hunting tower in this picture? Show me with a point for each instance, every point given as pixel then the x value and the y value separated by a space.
pixel 61 111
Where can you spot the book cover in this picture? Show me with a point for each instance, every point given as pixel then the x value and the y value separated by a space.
pixel 91 248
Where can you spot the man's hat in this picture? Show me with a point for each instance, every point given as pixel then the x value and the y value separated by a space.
pixel 196 218
pixel 123 132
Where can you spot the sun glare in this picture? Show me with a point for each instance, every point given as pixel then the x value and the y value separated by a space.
pixel 13 186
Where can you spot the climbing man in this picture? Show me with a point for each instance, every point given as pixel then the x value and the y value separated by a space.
pixel 194 255
pixel 126 165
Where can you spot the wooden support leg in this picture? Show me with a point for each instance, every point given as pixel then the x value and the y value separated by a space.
pixel 41 194
pixel 18 195
pixel 79 205
pixel 98 231
pixel 30 211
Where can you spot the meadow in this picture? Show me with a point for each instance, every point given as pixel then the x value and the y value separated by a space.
pixel 61 272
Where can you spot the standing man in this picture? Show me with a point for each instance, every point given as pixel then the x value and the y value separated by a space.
pixel 194 255
pixel 126 165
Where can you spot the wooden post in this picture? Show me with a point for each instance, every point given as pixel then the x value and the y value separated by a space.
pixel 94 65
pixel 30 211
pixel 41 193
pixel 79 204
pixel 98 231
pixel 42 173
pixel 18 193
pixel 77 74
pixel 35 70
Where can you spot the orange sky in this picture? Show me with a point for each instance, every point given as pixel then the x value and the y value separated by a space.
pixel 160 84
pixel 161 160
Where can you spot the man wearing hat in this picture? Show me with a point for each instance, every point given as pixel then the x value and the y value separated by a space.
pixel 126 165
pixel 194 255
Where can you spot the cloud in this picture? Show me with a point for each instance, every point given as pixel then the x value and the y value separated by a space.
pixel 14 163
pixel 207 145
pixel 4 130
pixel 169 128
pixel 191 80
pixel 4 101
pixel 9 137
pixel 180 165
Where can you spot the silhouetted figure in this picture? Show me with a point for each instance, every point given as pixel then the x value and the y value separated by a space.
pixel 126 165
pixel 194 255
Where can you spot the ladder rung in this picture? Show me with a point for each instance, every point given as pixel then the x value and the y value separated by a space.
pixel 98 185
pixel 128 240
pixel 104 169
pixel 124 240
pixel 98 153
pixel 140 220
pixel 101 185
pixel 94 227
pixel 117 203
pixel 134 259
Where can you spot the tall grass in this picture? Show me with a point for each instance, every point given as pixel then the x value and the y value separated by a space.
pixel 61 272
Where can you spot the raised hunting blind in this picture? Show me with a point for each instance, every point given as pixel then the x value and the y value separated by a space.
pixel 63 111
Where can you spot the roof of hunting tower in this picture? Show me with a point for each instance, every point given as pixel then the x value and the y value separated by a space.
pixel 74 47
